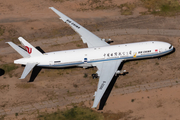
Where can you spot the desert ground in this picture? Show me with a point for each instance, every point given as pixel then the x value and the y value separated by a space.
pixel 34 21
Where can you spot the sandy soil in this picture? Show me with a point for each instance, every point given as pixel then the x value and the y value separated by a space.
pixel 158 104
pixel 40 26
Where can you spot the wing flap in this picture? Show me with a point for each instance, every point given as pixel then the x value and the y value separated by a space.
pixel 106 71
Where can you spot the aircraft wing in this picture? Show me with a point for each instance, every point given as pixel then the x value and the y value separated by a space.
pixel 106 71
pixel 88 37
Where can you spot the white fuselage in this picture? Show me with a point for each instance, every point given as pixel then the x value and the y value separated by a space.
pixel 86 57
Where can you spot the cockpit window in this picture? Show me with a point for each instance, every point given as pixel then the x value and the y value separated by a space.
pixel 170 47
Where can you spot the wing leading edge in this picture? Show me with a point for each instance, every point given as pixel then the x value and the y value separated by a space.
pixel 106 71
pixel 88 37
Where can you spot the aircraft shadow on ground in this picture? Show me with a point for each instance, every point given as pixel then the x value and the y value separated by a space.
pixel 34 73
pixel 2 72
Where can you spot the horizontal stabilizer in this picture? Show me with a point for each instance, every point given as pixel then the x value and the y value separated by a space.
pixel 22 52
pixel 28 68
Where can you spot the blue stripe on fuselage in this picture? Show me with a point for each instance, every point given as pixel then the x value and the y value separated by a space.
pixel 102 60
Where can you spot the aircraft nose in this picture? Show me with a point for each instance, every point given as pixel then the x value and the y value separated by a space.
pixel 170 46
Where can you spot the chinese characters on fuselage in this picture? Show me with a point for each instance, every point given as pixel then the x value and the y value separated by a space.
pixel 117 54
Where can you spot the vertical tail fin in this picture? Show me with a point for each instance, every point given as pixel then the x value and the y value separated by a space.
pixel 29 48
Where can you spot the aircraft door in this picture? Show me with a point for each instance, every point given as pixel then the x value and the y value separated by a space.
pixel 51 63
pixel 85 59
pixel 161 50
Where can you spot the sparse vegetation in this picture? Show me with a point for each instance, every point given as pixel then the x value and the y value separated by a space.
pixel 59 0
pixel 2 117
pixel 75 113
pixel 50 95
pixel 162 7
pixel 8 68
pixel 132 100
pixel 25 85
pixel 156 63
pixel 75 85
pixel 118 116
pixel 96 5
pixel 116 86
pixel 79 46
pixel 2 29
pixel 2 87
pixel 127 8
pixel 16 114
pixel 85 75
pixel 159 105
pixel 12 32
pixel 70 93
pixel 82 113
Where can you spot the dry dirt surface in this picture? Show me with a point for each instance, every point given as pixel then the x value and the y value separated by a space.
pixel 34 21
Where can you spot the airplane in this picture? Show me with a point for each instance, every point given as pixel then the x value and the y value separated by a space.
pixel 107 58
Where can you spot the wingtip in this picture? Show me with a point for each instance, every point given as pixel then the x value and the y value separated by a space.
pixel 20 37
pixel 51 7
pixel 22 77
pixel 94 107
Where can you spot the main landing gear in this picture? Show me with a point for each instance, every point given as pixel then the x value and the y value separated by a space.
pixel 94 76
pixel 121 72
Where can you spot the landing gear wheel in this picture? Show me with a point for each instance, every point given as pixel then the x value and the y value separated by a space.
pixel 94 76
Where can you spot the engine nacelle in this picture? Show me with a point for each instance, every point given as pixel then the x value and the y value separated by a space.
pixel 121 72
pixel 107 40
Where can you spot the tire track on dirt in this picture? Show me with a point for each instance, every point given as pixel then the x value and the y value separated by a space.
pixel 135 31
pixel 60 102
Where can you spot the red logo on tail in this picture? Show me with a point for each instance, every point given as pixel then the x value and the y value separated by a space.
pixel 29 50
